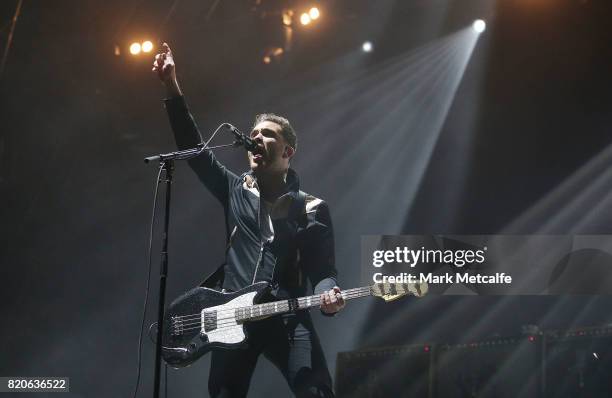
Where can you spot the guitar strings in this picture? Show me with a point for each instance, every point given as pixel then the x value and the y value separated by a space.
pixel 284 307
pixel 222 315
pixel 225 322
pixel 222 322
pixel 345 294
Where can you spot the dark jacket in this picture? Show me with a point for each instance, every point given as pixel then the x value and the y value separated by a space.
pixel 303 244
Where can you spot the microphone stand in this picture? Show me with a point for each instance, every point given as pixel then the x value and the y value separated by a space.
pixel 167 164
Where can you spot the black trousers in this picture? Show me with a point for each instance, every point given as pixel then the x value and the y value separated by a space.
pixel 290 343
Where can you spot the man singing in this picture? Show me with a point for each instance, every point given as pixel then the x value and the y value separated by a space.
pixel 275 233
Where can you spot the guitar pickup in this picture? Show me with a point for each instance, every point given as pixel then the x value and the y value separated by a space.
pixel 209 321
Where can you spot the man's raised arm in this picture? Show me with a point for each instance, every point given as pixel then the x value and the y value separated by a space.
pixel 214 175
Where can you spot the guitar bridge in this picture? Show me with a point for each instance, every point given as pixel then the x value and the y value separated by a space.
pixel 177 326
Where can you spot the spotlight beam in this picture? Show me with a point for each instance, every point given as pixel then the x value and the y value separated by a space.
pixel 564 207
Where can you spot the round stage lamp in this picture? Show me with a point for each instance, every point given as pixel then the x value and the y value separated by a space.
pixel 314 13
pixel 147 46
pixel 305 19
pixel 135 48
pixel 479 25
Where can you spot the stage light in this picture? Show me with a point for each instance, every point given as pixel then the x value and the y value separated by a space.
pixel 287 17
pixel 147 46
pixel 479 25
pixel 305 19
pixel 135 48
pixel 273 54
pixel 314 13
pixel 366 46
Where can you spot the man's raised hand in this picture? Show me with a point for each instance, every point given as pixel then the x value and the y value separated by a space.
pixel 163 64
pixel 164 67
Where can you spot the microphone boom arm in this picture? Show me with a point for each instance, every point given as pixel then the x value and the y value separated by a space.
pixel 185 154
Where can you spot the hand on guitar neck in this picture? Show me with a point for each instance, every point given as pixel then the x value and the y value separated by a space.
pixel 332 301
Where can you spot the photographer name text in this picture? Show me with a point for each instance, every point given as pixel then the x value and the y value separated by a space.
pixel 430 278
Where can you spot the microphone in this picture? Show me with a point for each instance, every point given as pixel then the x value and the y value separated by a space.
pixel 241 139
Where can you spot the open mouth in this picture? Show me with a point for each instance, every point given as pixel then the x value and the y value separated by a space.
pixel 257 153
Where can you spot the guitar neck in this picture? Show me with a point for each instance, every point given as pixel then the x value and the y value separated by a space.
pixel 294 304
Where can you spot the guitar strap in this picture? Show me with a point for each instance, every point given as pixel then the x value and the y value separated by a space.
pixel 297 208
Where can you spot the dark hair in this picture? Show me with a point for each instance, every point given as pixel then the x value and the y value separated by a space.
pixel 286 129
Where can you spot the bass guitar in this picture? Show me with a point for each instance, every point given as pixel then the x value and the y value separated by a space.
pixel 203 319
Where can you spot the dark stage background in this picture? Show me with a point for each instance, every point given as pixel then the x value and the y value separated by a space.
pixel 523 146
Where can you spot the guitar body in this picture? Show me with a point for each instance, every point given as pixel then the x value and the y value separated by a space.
pixel 203 319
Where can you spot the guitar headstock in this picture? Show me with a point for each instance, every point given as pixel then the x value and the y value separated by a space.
pixel 392 291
